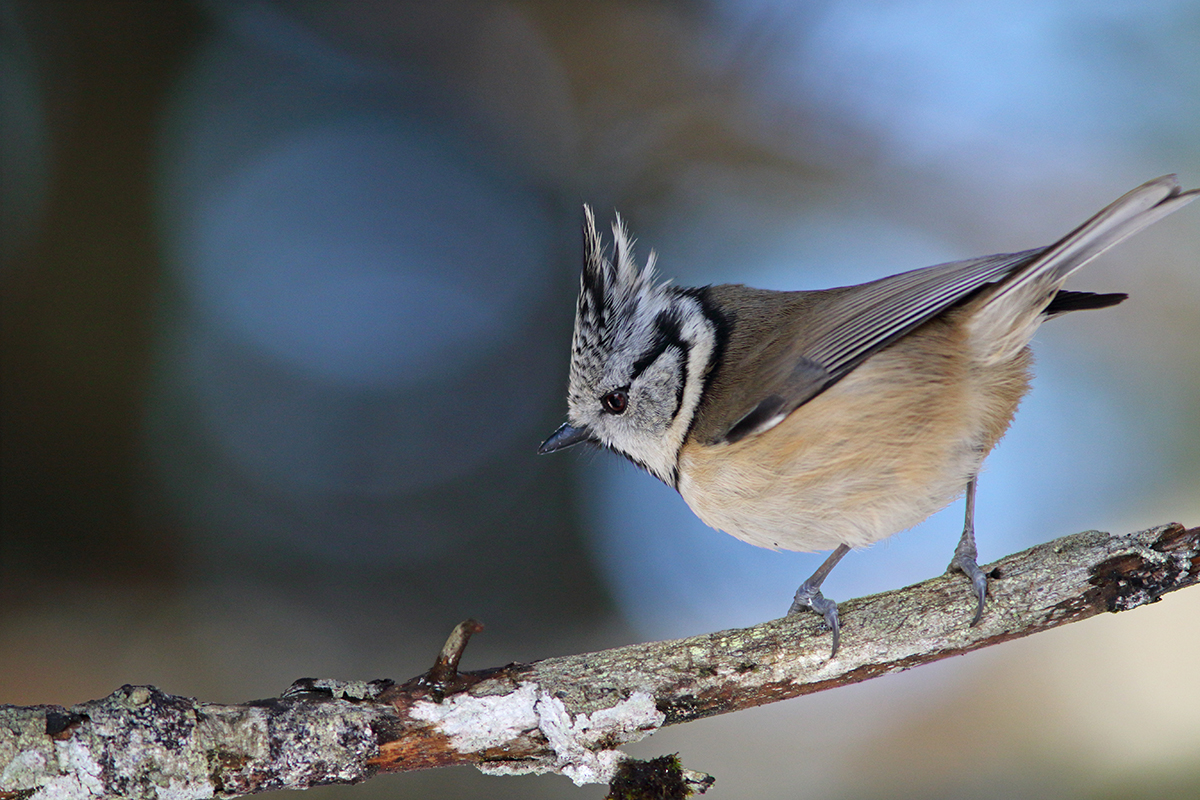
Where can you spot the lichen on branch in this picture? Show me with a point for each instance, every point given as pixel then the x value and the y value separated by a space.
pixel 565 715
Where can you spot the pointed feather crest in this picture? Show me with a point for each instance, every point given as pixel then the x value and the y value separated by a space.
pixel 645 341
pixel 613 289
pixel 615 319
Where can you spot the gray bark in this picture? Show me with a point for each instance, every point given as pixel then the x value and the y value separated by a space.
pixel 567 715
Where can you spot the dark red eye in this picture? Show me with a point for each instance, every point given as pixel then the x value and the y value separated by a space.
pixel 615 402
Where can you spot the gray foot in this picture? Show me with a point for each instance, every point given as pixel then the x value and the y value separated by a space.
pixel 967 566
pixel 966 556
pixel 810 597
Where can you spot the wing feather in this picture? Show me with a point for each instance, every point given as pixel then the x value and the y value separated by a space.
pixel 839 329
pixel 859 323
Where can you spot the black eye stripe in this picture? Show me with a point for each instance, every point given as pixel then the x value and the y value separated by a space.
pixel 666 334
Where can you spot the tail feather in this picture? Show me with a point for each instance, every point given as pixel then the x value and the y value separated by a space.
pixel 1125 216
pixel 1005 318
pixel 1066 301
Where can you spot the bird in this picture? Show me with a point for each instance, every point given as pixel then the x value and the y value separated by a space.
pixel 827 419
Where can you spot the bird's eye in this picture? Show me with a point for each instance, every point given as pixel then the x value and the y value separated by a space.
pixel 615 401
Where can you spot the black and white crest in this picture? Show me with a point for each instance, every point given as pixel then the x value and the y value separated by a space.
pixel 643 339
pixel 618 300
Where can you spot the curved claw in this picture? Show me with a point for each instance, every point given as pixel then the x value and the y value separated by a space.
pixel 810 598
pixel 979 583
pixel 966 557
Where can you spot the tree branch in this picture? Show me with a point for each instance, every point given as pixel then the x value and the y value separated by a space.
pixel 565 715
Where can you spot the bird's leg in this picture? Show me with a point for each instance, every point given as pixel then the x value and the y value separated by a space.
pixel 965 554
pixel 809 596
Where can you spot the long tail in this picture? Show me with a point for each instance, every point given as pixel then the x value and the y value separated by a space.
pixel 1007 316
pixel 1129 214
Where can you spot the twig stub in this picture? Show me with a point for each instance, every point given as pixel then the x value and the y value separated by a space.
pixel 443 677
pixel 565 714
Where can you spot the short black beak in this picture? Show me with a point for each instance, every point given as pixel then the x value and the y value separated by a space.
pixel 564 437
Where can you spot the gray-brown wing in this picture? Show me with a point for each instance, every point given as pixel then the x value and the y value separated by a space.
pixel 861 321
pixel 850 324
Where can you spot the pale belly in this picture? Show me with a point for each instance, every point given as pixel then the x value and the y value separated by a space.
pixel 875 454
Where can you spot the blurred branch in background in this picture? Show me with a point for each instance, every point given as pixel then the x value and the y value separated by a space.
pixel 564 715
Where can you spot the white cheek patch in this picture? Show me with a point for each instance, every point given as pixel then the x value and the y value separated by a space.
pixel 700 333
pixel 658 393
pixel 651 433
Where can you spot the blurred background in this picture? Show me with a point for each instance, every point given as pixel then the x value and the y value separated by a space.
pixel 287 294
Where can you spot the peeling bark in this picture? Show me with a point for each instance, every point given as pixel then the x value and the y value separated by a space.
pixel 567 715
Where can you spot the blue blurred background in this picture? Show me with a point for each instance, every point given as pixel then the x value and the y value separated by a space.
pixel 287 293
